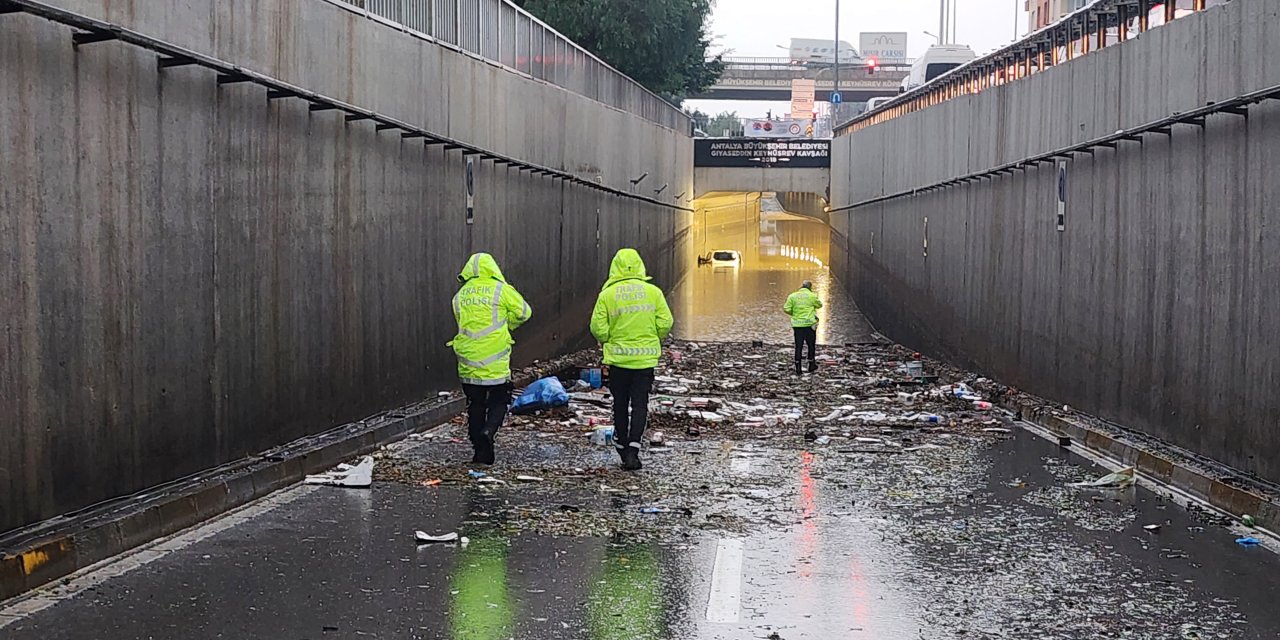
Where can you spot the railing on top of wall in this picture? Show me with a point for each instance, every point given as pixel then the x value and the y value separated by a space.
pixel 1100 24
pixel 502 32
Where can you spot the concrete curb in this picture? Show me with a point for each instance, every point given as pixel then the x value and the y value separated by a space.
pixel 1234 500
pixel 55 548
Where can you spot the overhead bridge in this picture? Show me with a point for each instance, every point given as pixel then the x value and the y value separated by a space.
pixel 770 79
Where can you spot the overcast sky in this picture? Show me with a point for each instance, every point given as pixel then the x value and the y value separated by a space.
pixel 757 27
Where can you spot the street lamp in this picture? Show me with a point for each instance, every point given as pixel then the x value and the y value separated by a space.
pixel 835 90
pixel 939 38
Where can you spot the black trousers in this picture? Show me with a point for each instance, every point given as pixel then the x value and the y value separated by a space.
pixel 806 336
pixel 486 409
pixel 630 389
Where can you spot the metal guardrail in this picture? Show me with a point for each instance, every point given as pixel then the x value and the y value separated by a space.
pixel 501 32
pixel 91 30
pixel 1100 24
pixel 883 63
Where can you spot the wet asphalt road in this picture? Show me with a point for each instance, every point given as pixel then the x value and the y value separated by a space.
pixel 342 563
pixel 975 540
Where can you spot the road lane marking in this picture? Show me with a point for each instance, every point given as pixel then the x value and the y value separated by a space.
pixel 725 601
pixel 49 595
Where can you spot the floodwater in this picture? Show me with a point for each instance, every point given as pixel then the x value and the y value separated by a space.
pixel 779 251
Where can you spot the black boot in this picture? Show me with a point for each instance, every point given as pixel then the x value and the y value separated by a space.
pixel 484 453
pixel 798 371
pixel 631 459
pixel 813 366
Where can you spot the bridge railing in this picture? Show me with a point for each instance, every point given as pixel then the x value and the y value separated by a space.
pixel 501 32
pixel 1099 24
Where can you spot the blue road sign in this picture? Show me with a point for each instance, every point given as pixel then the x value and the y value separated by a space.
pixel 836 97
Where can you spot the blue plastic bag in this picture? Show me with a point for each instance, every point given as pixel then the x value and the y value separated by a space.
pixel 543 394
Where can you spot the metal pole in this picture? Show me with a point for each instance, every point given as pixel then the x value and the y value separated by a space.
pixel 942 22
pixel 1015 19
pixel 835 77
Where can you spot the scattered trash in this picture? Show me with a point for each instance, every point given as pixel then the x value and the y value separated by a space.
pixel 1118 480
pixel 602 437
pixel 443 394
pixel 981 405
pixel 423 537
pixel 652 510
pixel 477 474
pixel 543 394
pixel 924 447
pixel 592 376
pixel 658 439
pixel 1248 541
pixel 432 482
pixel 822 440
pixel 1248 520
pixel 345 475
pixel 1153 528
pixel 996 430
pixel 530 479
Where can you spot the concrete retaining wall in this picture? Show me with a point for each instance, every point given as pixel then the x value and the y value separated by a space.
pixel 194 273
pixel 1156 307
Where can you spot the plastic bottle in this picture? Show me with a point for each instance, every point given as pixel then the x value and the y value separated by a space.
pixel 654 510
pixel 981 405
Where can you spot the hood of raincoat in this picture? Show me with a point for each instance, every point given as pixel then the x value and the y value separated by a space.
pixel 480 265
pixel 626 265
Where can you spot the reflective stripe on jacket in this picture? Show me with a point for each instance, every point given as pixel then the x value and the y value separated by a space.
pixel 486 309
pixel 803 307
pixel 631 316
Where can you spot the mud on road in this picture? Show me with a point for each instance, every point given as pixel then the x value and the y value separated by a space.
pixel 973 518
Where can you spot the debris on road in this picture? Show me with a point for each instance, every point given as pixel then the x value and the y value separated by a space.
pixel 1119 480
pixel 736 447
pixel 423 537
pixel 344 475
pixel 546 393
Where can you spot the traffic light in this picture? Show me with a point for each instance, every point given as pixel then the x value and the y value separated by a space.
pixel 872 63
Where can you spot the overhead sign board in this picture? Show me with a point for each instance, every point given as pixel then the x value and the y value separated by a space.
pixel 884 45
pixel 802 94
pixel 790 154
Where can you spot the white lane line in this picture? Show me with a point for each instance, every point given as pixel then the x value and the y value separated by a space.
pixel 725 601
pixel 96 574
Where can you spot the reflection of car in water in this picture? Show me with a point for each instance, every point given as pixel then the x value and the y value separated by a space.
pixel 725 258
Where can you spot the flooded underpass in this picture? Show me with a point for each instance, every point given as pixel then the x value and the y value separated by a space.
pixel 863 501
pixel 776 251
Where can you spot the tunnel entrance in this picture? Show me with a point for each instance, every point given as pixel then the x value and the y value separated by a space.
pixel 748 253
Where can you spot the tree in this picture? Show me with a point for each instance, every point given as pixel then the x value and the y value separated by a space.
pixel 662 44
pixel 726 124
